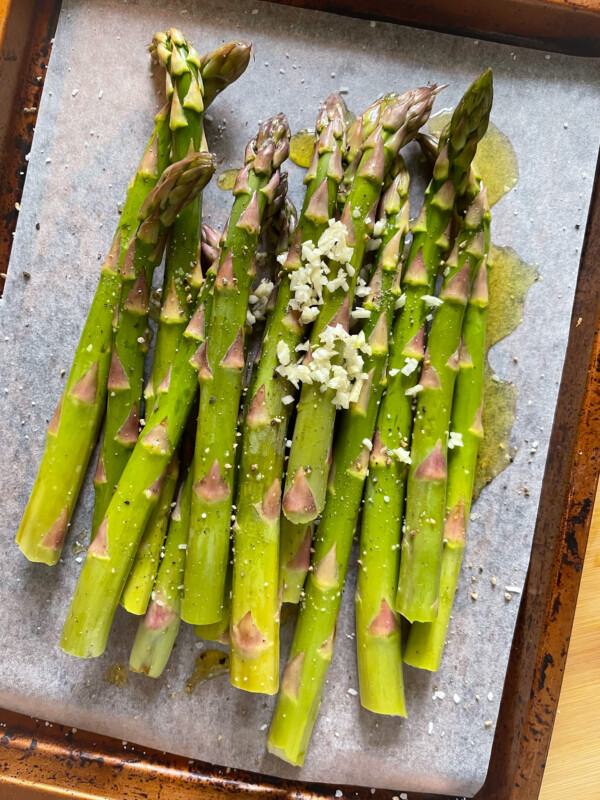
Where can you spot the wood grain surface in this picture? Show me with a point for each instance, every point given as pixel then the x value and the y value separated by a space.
pixel 573 764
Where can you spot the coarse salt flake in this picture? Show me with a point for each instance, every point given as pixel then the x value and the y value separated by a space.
pixel 413 390
pixel 410 366
pixel 431 301
pixel 455 440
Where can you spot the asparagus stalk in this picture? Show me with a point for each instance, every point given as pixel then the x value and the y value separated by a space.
pixel 379 658
pixel 254 661
pixel 112 551
pixel 74 428
pixel 220 378
pixel 219 631
pixel 420 563
pixel 137 591
pixel 304 675
pixel 294 557
pixel 158 629
pixel 425 643
pixel 196 82
pixel 309 462
pixel 377 624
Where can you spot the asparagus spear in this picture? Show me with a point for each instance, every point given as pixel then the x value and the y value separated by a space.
pixel 254 658
pixel 220 378
pixel 304 675
pixel 380 665
pixel 137 591
pixel 79 411
pixel 158 629
pixel 219 631
pixel 377 624
pixel 418 582
pixel 425 643
pixel 211 74
pixel 308 466
pixel 112 551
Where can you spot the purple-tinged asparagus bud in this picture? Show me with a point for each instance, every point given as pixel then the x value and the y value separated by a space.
pixel 429 377
pixel 86 388
pixel 373 299
pixel 465 360
pixel 299 497
pixel 212 488
pixel 300 561
pixel 342 315
pixel 234 357
pixel 326 573
pixel 258 413
pixel 171 307
pixel 165 383
pixel 317 210
pixel 453 362
pixel 99 544
pixel 415 348
pixel 138 298
pixel 250 218
pixel 385 623
pixel 292 675
pixel 311 173
pixel 270 191
pixel 127 434
pixel 373 166
pixel 416 274
pixel 100 474
pixel 247 638
pixel 225 277
pixel 196 328
pixel 433 467
pixel 379 336
pixel 361 405
pixel 54 422
pixel 335 169
pixel 348 223
pixel 156 439
pixel 441 168
pixel 199 361
pixel 263 160
pixel 455 524
pixel 457 288
pixel 117 377
pixel 391 251
pixel 477 427
pixel 479 290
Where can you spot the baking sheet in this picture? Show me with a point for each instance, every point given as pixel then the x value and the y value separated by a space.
pixel 95 116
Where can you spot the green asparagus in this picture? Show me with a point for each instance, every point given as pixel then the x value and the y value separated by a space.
pixel 212 73
pixel 220 378
pixel 426 640
pixel 113 549
pixel 74 428
pixel 420 562
pixel 255 608
pixel 158 629
pixel 377 623
pixel 304 675
pixel 309 461
pixel 137 591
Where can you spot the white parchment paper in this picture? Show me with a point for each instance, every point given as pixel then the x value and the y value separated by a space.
pixel 95 116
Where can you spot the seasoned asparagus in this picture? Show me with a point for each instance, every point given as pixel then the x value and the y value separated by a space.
pixel 74 428
pixel 137 591
pixel 212 73
pixel 112 551
pixel 220 378
pixel 158 629
pixel 255 608
pixel 425 643
pixel 377 623
pixel 304 675
pixel 306 480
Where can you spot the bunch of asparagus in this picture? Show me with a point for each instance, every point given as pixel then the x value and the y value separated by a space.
pixel 325 333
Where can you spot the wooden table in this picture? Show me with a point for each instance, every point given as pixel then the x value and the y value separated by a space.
pixel 573 764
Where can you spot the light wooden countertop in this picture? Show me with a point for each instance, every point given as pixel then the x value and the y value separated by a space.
pixel 573 764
